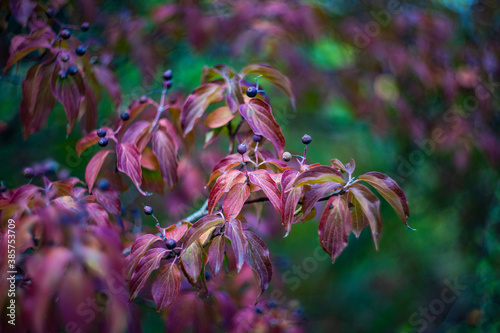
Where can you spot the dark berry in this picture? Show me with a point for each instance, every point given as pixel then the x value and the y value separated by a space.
pixel 72 70
pixel 29 172
pixel 259 310
pixel 3 188
pixel 257 138
pixel 85 26
pixel 64 57
pixel 242 149
pixel 101 132
pixel 168 84
pixel 143 99
pixel 148 210
pixel 271 304
pixel 80 50
pixel 103 142
pixel 50 13
pixel 306 139
pixel 103 185
pixel 170 243
pixel 62 74
pixel 125 116
pixel 251 92
pixel 167 75
pixel 65 34
pixel 287 157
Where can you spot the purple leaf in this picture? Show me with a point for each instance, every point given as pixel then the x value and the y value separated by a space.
pixel 370 205
pixel 138 134
pixel 138 249
pixel 22 9
pixel 147 264
pixel 257 256
pixel 94 166
pixel 238 241
pixel 263 179
pixel 165 149
pixel 216 254
pixel 109 200
pixel 223 184
pixel 319 174
pixel 235 199
pixel 192 261
pixel 109 81
pixel 201 227
pixel 166 285
pixel 334 226
pixel 129 162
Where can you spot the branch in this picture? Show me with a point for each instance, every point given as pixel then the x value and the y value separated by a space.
pixel 263 199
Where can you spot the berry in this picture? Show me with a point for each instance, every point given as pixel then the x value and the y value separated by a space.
pixel 72 70
pixel 62 74
pixel 167 75
pixel 306 139
pixel 242 149
pixel 287 157
pixel 257 138
pixel 125 116
pixel 50 13
pixel 3 188
pixel 143 99
pixel 64 57
pixel 148 210
pixel 259 310
pixel 103 185
pixel 168 84
pixel 251 92
pixel 103 142
pixel 85 26
pixel 80 50
pixel 101 132
pixel 65 34
pixel 170 243
pixel 271 304
pixel 29 172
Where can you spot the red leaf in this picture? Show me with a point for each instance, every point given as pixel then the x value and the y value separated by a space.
pixel 22 46
pixel 391 192
pixel 238 240
pixel 257 256
pixel 37 102
pixel 147 264
pixel 109 81
pixel 219 117
pixel 166 285
pixel 370 205
pixel 109 200
pixel 70 92
pixel 227 163
pixel 165 149
pixel 223 184
pixel 22 9
pixel 335 226
pixel 176 231
pixel 138 134
pixel 290 197
pixel 129 162
pixel 216 254
pixel 94 166
pixel 23 194
pixel 235 199
pixel 97 215
pixel 319 174
pixel 197 103
pixel 192 261
pixel 263 179
pixel 91 139
pixel 260 118
pixel 200 227
pixel 138 249
pixel 273 75
pixel 315 193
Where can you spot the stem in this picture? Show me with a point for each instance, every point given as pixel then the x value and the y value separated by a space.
pixel 231 137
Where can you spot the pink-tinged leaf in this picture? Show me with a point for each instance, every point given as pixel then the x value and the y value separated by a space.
pixel 97 215
pixel 109 81
pixel 146 265
pixel 223 184
pixel 165 149
pixel 315 193
pixel 200 227
pixel 23 194
pixel 22 9
pixel 231 78
pixel 391 192
pixel 176 232
pixel 166 286
pixel 335 226
pixel 192 261
pixel 109 200
pixel 235 199
pixel 273 75
pixel 65 187
pixel 260 118
pixel 238 240
pixel 94 166
pixel 216 254
pixel 197 103
pixel 349 167
pixel 129 162
pixel 219 117
pixel 149 160
pixel 319 174
pixel 263 179
pixel 138 134
pixel 359 219
pixel 70 92
pixel 139 247
pixel 257 256
pixel 91 139
pixel 37 102
pixel 290 197
pixel 23 45
pixel 370 205
pixel 227 163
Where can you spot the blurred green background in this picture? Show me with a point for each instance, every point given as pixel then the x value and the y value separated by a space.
pixel 454 209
